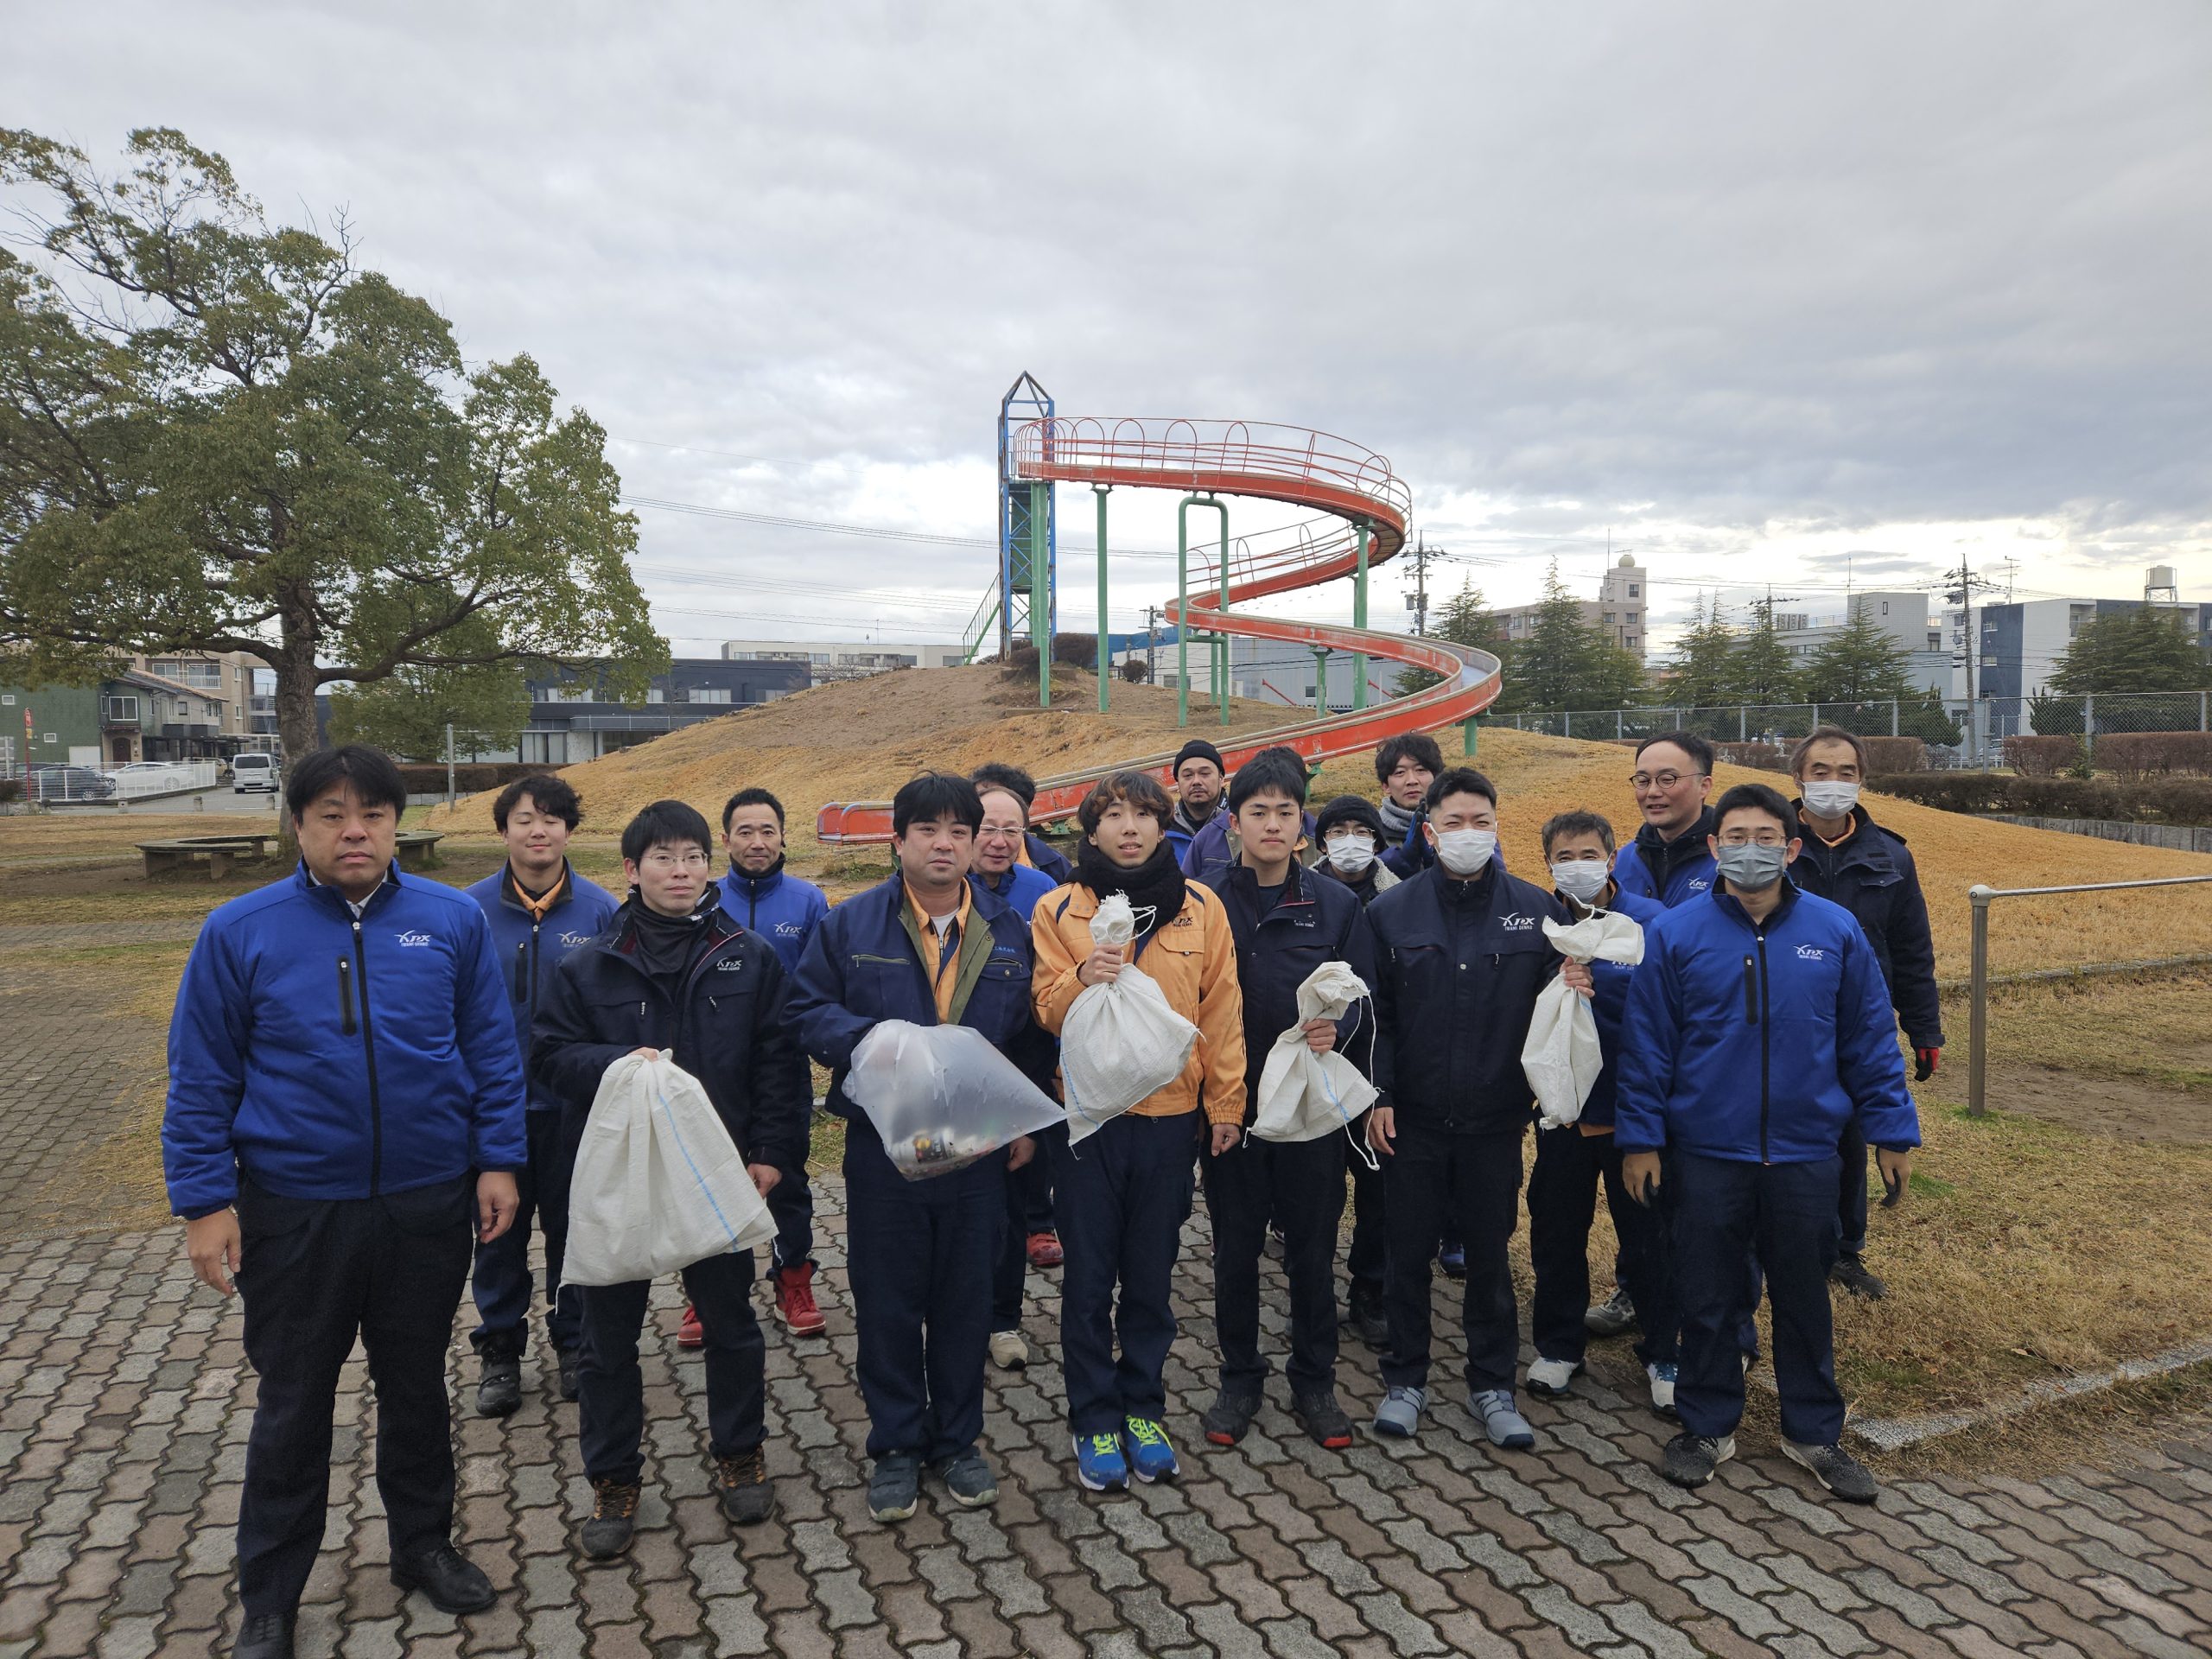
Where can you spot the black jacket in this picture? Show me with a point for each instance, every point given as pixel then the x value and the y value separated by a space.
pixel 727 1029
pixel 1316 921
pixel 1457 968
pixel 1873 876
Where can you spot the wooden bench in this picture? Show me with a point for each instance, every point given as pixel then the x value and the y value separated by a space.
pixel 219 851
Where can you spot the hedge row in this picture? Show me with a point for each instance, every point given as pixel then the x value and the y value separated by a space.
pixel 469 777
pixel 2131 755
pixel 2169 800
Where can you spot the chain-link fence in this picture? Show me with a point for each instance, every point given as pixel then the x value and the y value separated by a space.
pixel 1957 732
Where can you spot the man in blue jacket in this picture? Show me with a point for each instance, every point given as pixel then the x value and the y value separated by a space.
pixel 1287 922
pixel 345 1099
pixel 539 910
pixel 1757 1027
pixel 760 894
pixel 1866 867
pixel 1668 861
pixel 930 948
pixel 1460 954
pixel 1574 1160
pixel 673 972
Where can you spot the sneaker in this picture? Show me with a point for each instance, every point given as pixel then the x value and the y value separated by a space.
pixel 570 1361
pixel 1399 1415
pixel 1612 1316
pixel 691 1333
pixel 1008 1352
pixel 795 1308
pixel 1323 1419
pixel 1045 1249
pixel 1493 1408
pixel 1850 1272
pixel 1099 1463
pixel 1836 1468
pixel 1226 1420
pixel 1690 1459
pixel 1548 1377
pixel 1661 1373
pixel 1452 1256
pixel 894 1489
pixel 969 1479
pixel 1370 1320
pixel 1150 1456
pixel 614 1519
pixel 499 1393
pixel 741 1483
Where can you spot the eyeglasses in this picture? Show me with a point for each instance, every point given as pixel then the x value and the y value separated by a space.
pixel 1755 838
pixel 659 862
pixel 1663 779
pixel 1006 830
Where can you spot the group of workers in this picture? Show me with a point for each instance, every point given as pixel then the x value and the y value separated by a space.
pixel 370 1071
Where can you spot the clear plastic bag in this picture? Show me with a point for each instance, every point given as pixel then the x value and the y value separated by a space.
pixel 942 1096
pixel 1121 1042
pixel 1304 1096
pixel 1562 1057
pixel 658 1183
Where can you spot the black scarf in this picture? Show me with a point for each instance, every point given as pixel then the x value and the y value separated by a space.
pixel 1156 884
pixel 667 943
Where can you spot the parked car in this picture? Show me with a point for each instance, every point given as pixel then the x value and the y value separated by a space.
pixel 253 772
pixel 60 782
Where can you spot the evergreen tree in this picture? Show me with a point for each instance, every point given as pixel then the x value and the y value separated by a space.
pixel 1763 671
pixel 2143 648
pixel 1462 621
pixel 1703 675
pixel 1864 664
pixel 1567 663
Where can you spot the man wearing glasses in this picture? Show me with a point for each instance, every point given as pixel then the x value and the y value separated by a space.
pixel 1667 860
pixel 1758 1029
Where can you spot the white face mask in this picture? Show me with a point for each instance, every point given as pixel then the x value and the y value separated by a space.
pixel 1351 853
pixel 1580 879
pixel 1828 799
pixel 1464 851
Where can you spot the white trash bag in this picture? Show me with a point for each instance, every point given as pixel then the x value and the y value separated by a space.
pixel 1304 1096
pixel 1561 1058
pixel 1121 1042
pixel 942 1096
pixel 658 1184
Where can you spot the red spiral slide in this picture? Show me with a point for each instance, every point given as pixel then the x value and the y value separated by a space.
pixel 1275 463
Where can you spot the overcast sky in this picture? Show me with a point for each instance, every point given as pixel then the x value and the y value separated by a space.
pixel 1768 295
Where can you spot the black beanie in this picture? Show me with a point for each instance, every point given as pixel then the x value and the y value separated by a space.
pixel 1198 749
pixel 1350 808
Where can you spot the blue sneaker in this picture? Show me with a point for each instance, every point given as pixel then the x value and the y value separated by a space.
pixel 1150 1456
pixel 1099 1463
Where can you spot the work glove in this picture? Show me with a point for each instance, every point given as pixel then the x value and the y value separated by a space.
pixel 1896 1166
pixel 1923 1063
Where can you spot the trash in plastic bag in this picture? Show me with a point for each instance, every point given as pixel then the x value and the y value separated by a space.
pixel 1561 1058
pixel 942 1096
pixel 1304 1096
pixel 1120 1041
pixel 658 1183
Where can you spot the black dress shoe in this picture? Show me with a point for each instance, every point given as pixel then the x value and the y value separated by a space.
pixel 265 1635
pixel 571 1361
pixel 445 1575
pixel 499 1394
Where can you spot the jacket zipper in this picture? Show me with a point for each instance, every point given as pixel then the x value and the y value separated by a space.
pixel 346 1027
pixel 369 1052
pixel 1766 1045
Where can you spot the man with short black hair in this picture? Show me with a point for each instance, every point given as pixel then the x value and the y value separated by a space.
pixel 345 1098
pixel 930 948
pixel 1212 851
pixel 539 910
pixel 1668 859
pixel 1757 1027
pixel 1866 867
pixel 1197 774
pixel 1405 766
pixel 674 973
pixel 759 892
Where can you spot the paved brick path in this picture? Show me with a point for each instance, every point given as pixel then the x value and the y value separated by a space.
pixel 125 1400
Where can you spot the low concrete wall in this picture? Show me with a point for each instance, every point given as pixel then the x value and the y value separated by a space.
pixel 2182 838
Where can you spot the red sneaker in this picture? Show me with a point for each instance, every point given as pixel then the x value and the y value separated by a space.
pixel 795 1308
pixel 1045 1251
pixel 691 1333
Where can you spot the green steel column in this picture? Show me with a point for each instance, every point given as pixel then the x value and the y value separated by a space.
pixel 1183 613
pixel 1222 704
pixel 1040 594
pixel 1467 737
pixel 1359 621
pixel 1101 490
pixel 1321 679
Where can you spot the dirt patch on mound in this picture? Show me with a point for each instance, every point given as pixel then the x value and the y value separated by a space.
pixel 2124 1109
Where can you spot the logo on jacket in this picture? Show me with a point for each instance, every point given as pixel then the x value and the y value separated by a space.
pixel 729 964
pixel 412 937
pixel 1698 884
pixel 1517 924
pixel 572 940
pixel 788 929
pixel 1812 953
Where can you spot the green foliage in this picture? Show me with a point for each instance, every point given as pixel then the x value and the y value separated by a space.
pixel 406 713
pixel 1705 672
pixel 1565 663
pixel 1761 666
pixel 1862 663
pixel 2140 649
pixel 1462 621
pixel 221 435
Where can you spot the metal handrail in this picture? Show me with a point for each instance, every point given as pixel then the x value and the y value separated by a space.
pixel 1981 896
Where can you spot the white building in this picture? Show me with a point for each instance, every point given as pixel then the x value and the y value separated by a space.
pixel 1903 615
pixel 843 659
pixel 1622 607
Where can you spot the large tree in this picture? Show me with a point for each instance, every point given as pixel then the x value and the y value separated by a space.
pixel 216 435
pixel 1566 663
pixel 1762 670
pixel 2144 648
pixel 1462 619
pixel 1703 675
pixel 1862 663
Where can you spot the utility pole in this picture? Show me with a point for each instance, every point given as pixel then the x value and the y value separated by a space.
pixel 1152 645
pixel 1960 593
pixel 1421 557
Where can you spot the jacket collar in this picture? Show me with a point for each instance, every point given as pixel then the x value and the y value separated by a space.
pixel 1733 907
pixel 511 897
pixel 756 887
pixel 1866 847
pixel 622 939
pixel 323 894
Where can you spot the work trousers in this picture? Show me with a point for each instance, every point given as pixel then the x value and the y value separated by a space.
pixel 1783 1218
pixel 1122 1195
pixel 921 1255
pixel 1010 1274
pixel 1563 1202
pixel 1300 1184
pixel 1439 1181
pixel 611 1388
pixel 502 1280
pixel 1365 1261
pixel 791 1206
pixel 1851 1205
pixel 313 1275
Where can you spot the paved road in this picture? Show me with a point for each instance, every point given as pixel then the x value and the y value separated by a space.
pixel 223 798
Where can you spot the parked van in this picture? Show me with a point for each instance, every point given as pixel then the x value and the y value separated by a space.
pixel 253 772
